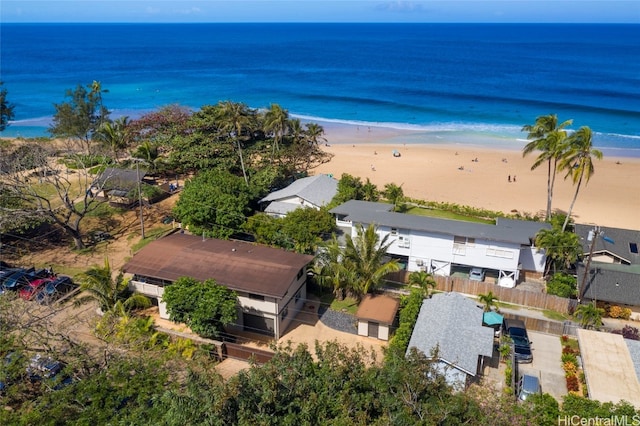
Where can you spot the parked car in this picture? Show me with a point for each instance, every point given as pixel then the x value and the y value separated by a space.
pixel 55 289
pixel 528 385
pixel 517 331
pixel 476 274
pixel 44 368
pixel 14 281
pixel 30 290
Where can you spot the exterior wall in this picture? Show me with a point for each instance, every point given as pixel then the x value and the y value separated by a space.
pixel 363 330
pixel 531 259
pixel 425 247
pixel 282 311
pixel 298 202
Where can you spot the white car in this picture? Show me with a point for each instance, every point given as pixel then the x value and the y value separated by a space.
pixel 476 274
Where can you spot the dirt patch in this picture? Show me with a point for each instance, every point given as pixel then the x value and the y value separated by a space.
pixel 124 227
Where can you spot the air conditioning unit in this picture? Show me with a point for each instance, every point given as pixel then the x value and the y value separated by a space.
pixel 420 262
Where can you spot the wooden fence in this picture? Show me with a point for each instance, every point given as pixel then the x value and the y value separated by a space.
pixel 508 295
pixel 237 351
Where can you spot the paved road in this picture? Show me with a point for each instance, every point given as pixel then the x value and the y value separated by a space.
pixel 547 351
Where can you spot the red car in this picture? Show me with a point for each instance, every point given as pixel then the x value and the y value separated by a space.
pixel 29 291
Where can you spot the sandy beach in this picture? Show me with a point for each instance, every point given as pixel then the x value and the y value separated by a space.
pixel 447 172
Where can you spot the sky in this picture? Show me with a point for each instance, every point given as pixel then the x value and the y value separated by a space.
pixel 436 11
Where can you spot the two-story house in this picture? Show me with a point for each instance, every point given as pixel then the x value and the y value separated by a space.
pixel 270 282
pixel 439 246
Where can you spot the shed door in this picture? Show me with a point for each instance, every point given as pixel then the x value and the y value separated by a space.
pixel 258 324
pixel 373 329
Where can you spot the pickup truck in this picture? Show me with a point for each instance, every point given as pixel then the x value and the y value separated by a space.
pixel 517 330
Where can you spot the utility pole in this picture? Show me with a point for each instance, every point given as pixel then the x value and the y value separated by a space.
pixel 593 236
pixel 140 200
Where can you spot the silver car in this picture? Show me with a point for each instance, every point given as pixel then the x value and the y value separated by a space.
pixel 527 386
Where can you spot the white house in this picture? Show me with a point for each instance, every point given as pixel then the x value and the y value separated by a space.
pixel 270 283
pixel 313 191
pixel 439 245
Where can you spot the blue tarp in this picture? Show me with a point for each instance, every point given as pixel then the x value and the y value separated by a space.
pixel 492 318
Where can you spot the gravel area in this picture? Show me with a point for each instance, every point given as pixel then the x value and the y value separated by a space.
pixel 340 321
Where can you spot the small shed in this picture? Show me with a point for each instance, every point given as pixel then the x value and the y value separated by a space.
pixel 376 315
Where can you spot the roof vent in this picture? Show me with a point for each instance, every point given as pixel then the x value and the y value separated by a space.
pixel 233 249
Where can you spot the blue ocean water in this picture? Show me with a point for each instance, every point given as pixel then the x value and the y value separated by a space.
pixel 457 80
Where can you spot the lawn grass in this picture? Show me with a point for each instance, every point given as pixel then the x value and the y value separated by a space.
pixel 348 304
pixel 572 343
pixel 443 214
pixel 149 236
pixel 554 315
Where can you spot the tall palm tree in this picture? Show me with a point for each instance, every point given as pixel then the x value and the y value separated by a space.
pixel 424 280
pixel 276 120
pixel 549 137
pixel 115 135
pixel 111 294
pixel 366 253
pixel 578 162
pixel 149 153
pixel 235 118
pixel 590 315
pixel 489 300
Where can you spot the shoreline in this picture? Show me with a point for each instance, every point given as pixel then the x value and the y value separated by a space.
pixel 501 179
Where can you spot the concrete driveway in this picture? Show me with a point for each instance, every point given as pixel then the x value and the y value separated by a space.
pixel 547 351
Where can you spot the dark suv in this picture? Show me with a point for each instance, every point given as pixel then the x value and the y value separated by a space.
pixel 517 330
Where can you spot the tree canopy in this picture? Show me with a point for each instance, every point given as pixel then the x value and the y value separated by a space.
pixel 7 112
pixel 205 307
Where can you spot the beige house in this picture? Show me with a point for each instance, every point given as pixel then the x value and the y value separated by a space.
pixel 270 282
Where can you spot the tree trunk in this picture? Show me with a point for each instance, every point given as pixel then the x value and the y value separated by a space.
pixel 244 173
pixel 549 191
pixel 575 196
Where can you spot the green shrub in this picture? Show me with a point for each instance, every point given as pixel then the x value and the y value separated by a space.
pixel 569 357
pixel 562 285
pixel 408 316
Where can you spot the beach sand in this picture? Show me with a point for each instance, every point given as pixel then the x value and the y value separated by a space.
pixel 446 172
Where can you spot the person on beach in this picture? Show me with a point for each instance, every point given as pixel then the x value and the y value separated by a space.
pixel 514 178
pixel 509 178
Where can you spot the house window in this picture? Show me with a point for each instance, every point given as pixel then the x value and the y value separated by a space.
pixel 284 313
pixel 394 231
pixel 256 296
pixel 633 248
pixel 403 241
pixel 494 252
pixel 459 246
pixel 471 242
pixel 300 272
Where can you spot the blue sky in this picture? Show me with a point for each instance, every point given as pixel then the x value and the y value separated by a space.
pixel 185 11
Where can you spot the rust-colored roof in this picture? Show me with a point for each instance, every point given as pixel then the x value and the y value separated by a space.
pixel 237 265
pixel 379 308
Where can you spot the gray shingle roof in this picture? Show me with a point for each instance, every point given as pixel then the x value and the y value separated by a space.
pixel 452 322
pixel 278 207
pixel 620 248
pixel 505 230
pixel 122 179
pixel 318 190
pixel 612 283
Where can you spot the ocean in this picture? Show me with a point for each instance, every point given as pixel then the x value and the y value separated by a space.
pixel 447 82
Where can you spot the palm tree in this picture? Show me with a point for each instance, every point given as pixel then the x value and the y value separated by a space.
pixel 115 135
pixel 366 255
pixel 276 120
pixel 112 295
pixel 489 301
pixel 234 119
pixel 314 133
pixel 149 153
pixel 329 269
pixel 590 315
pixel 370 191
pixel 549 138
pixel 394 193
pixel 424 280
pixel 578 162
pixel 562 248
